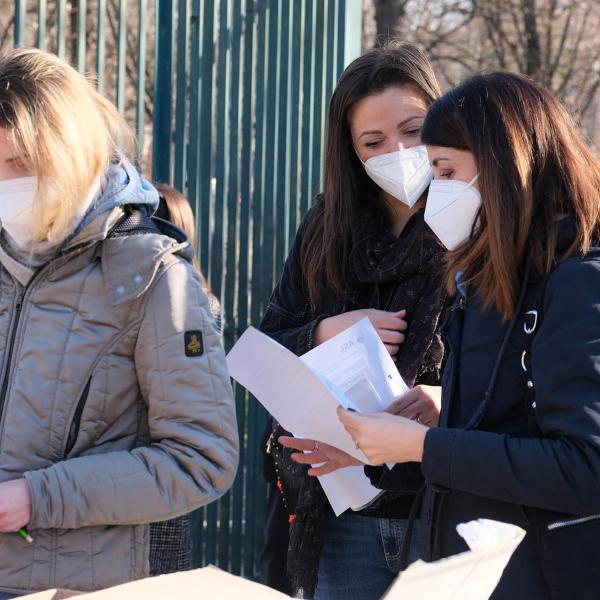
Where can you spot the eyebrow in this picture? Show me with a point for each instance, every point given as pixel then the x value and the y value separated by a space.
pixel 435 161
pixel 401 124
pixel 12 159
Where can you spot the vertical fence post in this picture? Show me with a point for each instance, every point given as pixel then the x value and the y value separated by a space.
pixel 19 22
pixel 163 92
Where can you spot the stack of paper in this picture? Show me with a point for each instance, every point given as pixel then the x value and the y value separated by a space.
pixel 352 369
pixel 471 575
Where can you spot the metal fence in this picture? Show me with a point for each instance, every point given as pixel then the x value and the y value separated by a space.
pixel 229 100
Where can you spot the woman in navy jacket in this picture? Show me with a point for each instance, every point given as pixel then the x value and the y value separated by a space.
pixel 515 200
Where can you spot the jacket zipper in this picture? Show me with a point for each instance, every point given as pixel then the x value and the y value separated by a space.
pixel 76 422
pixel 391 297
pixel 10 349
pixel 568 522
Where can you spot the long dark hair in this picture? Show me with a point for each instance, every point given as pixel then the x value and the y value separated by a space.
pixel 534 171
pixel 325 250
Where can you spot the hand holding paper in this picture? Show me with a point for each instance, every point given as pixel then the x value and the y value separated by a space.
pixel 352 369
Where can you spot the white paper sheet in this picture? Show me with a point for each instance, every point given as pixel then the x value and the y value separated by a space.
pixel 357 363
pixel 352 369
pixel 471 575
pixel 296 396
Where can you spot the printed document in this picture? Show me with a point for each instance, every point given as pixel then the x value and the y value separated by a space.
pixel 352 369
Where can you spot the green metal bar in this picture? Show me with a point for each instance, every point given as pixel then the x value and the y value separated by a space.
pixel 163 92
pixel 101 44
pixel 42 17
pixel 272 158
pixel 121 55
pixel 205 137
pixel 258 295
pixel 221 165
pixel 319 98
pixel 246 81
pixel 230 228
pixel 209 86
pixel 61 19
pixel 183 32
pixel 81 35
pixel 231 243
pixel 193 142
pixel 281 220
pixel 353 15
pixel 19 22
pixel 308 107
pixel 294 117
pixel 140 110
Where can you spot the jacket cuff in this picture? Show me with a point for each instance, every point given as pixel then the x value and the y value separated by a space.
pixel 306 341
pixel 41 500
pixel 438 452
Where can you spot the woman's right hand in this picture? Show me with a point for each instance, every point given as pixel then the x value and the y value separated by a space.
pixel 389 326
pixel 310 452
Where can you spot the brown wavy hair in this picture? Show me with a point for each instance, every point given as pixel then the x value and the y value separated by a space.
pixel 175 208
pixel 325 249
pixel 535 171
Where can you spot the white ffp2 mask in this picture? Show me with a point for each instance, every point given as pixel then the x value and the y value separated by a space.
pixel 451 210
pixel 404 174
pixel 17 208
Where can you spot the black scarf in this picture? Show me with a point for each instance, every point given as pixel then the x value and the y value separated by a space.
pixel 391 273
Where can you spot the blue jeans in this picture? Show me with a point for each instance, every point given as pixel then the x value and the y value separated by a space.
pixel 361 556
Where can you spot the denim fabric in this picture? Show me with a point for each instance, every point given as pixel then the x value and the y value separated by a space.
pixel 361 556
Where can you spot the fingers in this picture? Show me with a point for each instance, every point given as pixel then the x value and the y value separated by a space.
pixel 309 458
pixel 383 319
pixel 393 350
pixel 389 336
pixel 297 443
pixel 325 469
pixel 401 404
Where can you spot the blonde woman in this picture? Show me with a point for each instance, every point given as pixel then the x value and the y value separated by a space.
pixel 115 404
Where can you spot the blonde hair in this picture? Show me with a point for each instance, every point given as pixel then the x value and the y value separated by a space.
pixel 63 131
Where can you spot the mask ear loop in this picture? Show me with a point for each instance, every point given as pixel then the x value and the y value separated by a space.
pixel 473 180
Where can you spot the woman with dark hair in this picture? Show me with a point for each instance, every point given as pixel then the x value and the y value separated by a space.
pixel 515 200
pixel 362 251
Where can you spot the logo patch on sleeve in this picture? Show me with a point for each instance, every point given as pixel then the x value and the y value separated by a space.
pixel 194 346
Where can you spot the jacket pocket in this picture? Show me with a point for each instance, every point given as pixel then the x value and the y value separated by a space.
pixel 76 422
pixel 570 557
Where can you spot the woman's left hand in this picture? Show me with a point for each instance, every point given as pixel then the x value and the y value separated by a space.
pixel 15 505
pixel 385 438
pixel 315 453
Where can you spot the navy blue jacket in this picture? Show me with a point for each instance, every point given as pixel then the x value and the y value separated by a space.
pixel 531 455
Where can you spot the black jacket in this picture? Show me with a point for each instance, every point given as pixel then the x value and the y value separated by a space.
pixel 291 320
pixel 530 454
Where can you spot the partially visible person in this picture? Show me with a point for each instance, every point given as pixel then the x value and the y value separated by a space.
pixel 116 406
pixel 516 201
pixel 364 250
pixel 171 541
pixel 174 207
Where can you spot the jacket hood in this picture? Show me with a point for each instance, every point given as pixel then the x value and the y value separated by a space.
pixel 122 187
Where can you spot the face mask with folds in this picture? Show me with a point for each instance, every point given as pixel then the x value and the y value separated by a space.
pixel 451 210
pixel 17 208
pixel 404 174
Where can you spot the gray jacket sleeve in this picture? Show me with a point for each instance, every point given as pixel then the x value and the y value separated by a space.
pixel 193 452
